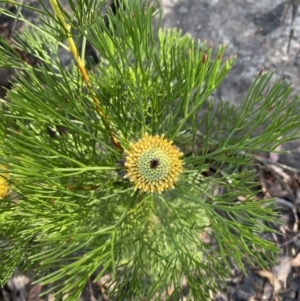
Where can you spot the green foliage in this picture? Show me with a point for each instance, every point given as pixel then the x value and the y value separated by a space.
pixel 72 215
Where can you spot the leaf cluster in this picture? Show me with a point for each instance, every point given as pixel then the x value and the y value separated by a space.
pixel 73 216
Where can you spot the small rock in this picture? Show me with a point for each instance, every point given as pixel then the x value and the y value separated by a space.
pixel 267 292
pixel 183 10
pixel 18 286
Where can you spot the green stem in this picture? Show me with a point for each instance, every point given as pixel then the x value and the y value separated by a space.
pixel 80 64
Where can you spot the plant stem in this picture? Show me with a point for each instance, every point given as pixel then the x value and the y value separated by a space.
pixel 80 64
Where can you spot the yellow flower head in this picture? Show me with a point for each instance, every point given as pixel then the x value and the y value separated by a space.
pixel 153 164
pixel 4 186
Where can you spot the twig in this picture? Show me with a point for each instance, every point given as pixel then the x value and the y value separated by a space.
pixel 291 206
pixel 285 203
pixel 81 67
pixel 290 241
pixel 284 13
pixel 16 20
pixel 278 173
pixel 90 291
pixel 295 6
pixel 266 161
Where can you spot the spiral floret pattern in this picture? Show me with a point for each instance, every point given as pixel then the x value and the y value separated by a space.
pixel 153 164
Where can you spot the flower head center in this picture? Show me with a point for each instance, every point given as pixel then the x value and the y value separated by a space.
pixel 154 164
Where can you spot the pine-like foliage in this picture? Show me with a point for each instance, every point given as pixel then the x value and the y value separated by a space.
pixel 72 215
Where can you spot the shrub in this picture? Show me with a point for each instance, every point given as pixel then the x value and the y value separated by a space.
pixel 123 169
